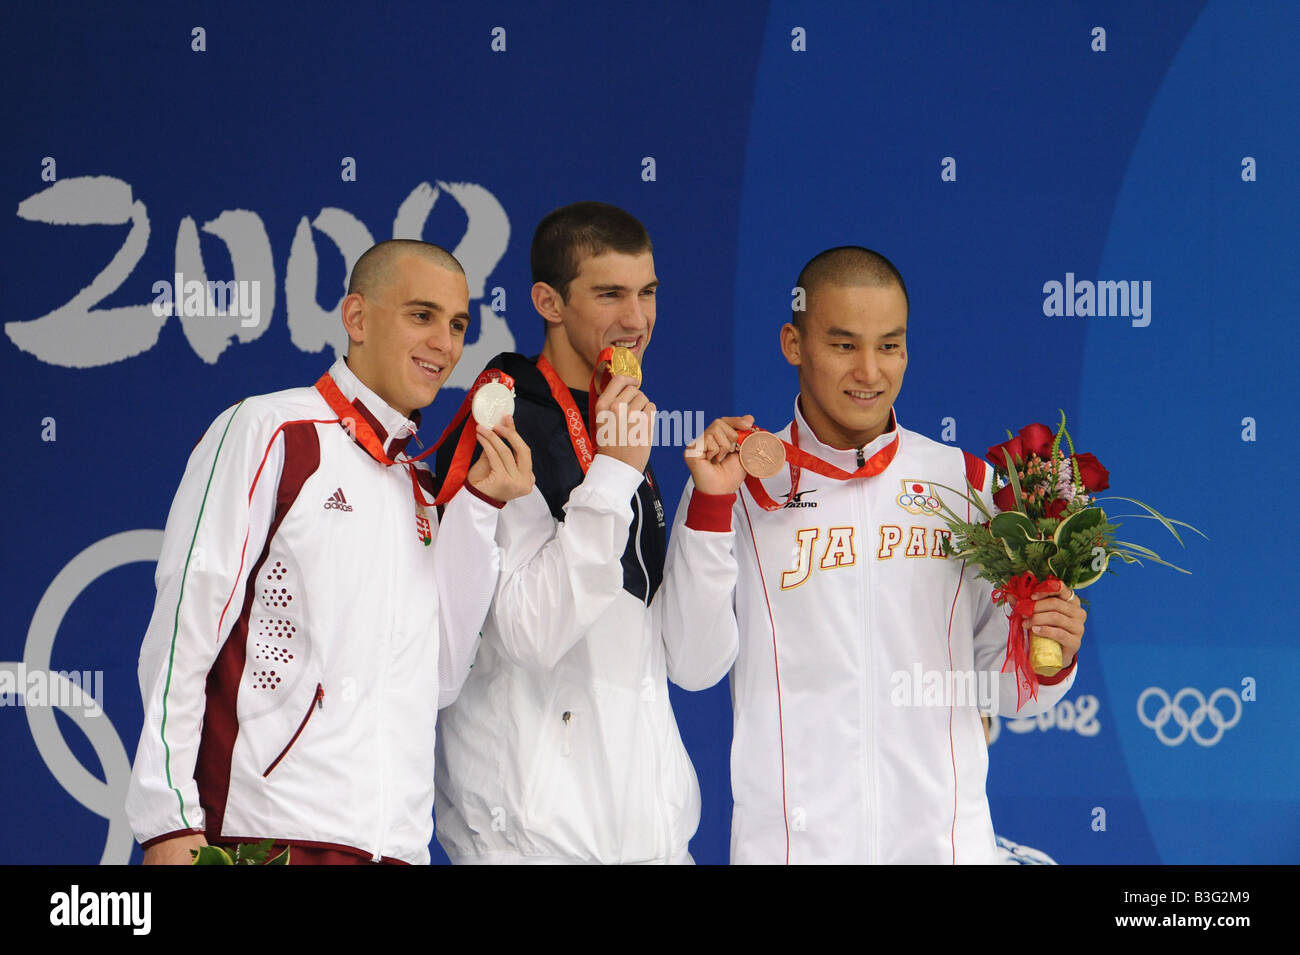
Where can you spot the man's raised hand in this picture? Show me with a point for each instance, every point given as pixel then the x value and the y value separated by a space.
pixel 624 423
pixel 500 472
pixel 714 457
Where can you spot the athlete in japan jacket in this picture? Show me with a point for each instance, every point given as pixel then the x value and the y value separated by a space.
pixel 852 743
pixel 562 746
pixel 305 634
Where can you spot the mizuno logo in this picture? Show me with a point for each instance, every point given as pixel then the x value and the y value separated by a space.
pixel 798 501
pixel 337 502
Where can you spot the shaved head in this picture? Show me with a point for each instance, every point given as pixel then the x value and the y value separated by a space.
pixel 847 266
pixel 374 270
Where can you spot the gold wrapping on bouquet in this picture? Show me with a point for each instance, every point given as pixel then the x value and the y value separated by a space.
pixel 1045 656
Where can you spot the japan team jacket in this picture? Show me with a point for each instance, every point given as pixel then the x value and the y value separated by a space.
pixel 863 658
pixel 562 746
pixel 305 634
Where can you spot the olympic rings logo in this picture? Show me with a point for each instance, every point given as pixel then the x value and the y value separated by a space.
pixel 575 422
pixel 106 797
pixel 918 498
pixel 1189 723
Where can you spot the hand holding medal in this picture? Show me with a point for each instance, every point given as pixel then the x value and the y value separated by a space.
pixel 499 472
pixel 620 410
pixel 716 459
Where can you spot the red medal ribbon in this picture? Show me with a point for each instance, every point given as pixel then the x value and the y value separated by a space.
pixel 1022 587
pixel 583 446
pixel 356 425
pixel 798 459
pixel 460 460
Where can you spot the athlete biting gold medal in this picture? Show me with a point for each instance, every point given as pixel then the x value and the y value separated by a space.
pixel 615 360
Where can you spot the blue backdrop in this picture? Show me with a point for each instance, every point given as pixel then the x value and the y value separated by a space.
pixel 988 149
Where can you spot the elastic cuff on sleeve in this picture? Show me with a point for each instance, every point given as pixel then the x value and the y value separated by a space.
pixel 483 497
pixel 710 512
pixel 613 479
pixel 1060 675
pixel 149 844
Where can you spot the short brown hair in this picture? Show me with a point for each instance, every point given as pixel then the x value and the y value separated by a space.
pixel 579 230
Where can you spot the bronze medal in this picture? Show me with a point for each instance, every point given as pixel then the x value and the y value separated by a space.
pixel 762 454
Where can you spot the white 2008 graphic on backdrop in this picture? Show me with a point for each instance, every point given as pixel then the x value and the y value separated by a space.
pixel 78 335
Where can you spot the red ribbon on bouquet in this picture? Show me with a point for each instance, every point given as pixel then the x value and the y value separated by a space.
pixel 1022 587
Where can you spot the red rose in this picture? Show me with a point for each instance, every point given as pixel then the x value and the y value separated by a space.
pixel 1005 499
pixel 1037 439
pixel 1091 473
pixel 1055 508
pixel 998 453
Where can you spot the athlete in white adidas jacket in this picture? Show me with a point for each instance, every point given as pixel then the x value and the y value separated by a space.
pixel 852 741
pixel 311 615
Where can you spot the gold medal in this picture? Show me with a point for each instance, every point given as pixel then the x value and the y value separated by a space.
pixel 615 360
pixel 762 454
pixel 623 362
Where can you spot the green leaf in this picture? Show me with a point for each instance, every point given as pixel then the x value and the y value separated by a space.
pixel 1088 576
pixel 281 859
pixel 211 855
pixel 1014 527
pixel 1149 517
pixel 1148 554
pixel 1014 480
pixel 1080 521
pixel 1062 431
pixel 253 853
pixel 972 499
pixel 1169 524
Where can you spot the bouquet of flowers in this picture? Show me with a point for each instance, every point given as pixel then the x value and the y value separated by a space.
pixel 1049 529
pixel 245 853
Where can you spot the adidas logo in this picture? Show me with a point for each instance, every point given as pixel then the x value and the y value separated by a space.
pixel 337 502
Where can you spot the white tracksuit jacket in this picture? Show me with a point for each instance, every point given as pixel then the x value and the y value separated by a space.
pixel 562 746
pixel 304 636
pixel 851 745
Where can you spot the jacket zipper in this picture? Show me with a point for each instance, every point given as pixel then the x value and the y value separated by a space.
pixel 871 826
pixel 568 721
pixel 381 829
pixel 663 829
pixel 640 521
pixel 318 701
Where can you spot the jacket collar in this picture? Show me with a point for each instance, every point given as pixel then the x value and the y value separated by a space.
pixel 847 460
pixel 393 428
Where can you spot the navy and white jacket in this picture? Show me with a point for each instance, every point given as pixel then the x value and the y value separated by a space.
pixel 562 746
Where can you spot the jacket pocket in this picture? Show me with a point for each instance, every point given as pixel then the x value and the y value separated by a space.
pixel 317 702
